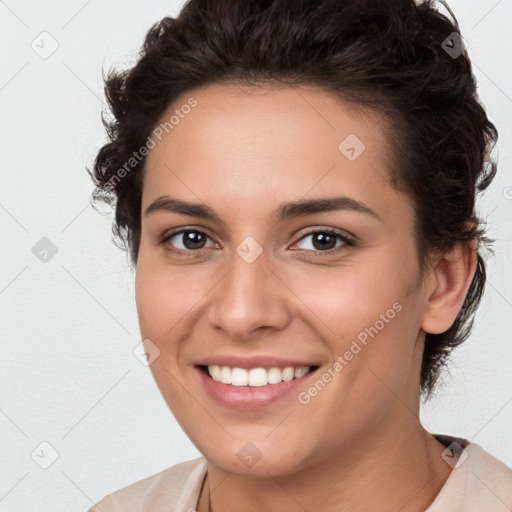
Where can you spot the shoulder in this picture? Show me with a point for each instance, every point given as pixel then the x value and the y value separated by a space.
pixel 489 479
pixel 174 488
pixel 479 481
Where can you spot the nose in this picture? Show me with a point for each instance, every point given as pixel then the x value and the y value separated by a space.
pixel 249 297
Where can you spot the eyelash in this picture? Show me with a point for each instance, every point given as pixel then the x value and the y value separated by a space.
pixel 330 231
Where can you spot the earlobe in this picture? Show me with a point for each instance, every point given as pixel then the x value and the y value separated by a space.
pixel 452 276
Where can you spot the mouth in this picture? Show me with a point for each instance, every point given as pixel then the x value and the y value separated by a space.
pixel 255 377
pixel 254 382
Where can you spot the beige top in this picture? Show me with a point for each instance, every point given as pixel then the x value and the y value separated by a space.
pixel 480 483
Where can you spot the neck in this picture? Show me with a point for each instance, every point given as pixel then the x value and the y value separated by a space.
pixel 385 474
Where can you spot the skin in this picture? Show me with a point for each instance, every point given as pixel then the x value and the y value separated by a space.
pixel 358 445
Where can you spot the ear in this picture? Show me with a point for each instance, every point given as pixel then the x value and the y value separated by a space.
pixel 450 279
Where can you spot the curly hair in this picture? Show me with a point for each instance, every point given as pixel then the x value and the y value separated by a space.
pixel 400 58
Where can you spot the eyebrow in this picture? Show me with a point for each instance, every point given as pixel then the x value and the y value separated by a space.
pixel 285 211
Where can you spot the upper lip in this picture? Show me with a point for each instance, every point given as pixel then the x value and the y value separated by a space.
pixel 261 361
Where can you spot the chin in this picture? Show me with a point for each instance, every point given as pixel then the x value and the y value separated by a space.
pixel 258 459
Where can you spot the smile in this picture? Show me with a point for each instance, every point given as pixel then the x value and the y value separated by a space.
pixel 256 377
pixel 254 387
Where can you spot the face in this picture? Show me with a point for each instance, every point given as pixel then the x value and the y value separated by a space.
pixel 298 254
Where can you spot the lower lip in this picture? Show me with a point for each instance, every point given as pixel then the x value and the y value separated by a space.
pixel 250 397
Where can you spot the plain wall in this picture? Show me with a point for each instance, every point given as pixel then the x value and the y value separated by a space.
pixel 69 325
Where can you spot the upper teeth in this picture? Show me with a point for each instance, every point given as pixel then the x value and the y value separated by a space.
pixel 255 376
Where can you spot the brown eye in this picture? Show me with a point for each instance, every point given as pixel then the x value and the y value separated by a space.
pixel 193 239
pixel 189 240
pixel 323 241
pixel 326 240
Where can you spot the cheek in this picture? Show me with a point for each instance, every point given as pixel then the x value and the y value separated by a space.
pixel 165 303
pixel 349 298
pixel 367 314
pixel 165 297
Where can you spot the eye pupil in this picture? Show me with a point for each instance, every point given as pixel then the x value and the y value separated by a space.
pixel 326 241
pixel 193 239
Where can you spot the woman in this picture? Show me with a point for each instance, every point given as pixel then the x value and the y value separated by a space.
pixel 295 181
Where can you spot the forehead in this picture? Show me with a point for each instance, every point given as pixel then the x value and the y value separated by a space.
pixel 248 144
pixel 269 115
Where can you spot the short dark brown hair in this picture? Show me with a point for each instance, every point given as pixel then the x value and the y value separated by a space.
pixel 398 57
